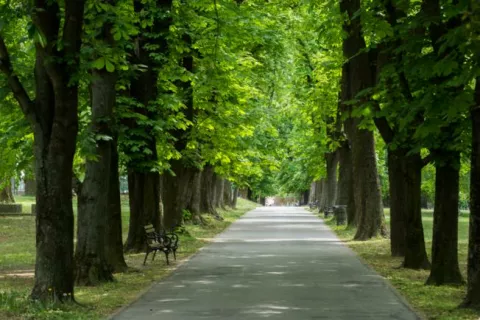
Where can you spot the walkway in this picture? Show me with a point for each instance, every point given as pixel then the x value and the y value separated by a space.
pixel 276 263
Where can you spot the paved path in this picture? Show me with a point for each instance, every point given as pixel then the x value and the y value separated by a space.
pixel 276 263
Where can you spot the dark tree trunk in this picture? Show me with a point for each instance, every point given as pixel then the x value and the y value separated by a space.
pixel 323 195
pixel 207 202
pixel 195 195
pixel 6 195
pixel 91 266
pixel 54 120
pixel 113 232
pixel 445 269
pixel 144 207
pixel 250 194
pixel 306 195
pixel 234 198
pixel 407 237
pixel 318 191
pixel 398 183
pixel 344 187
pixel 227 193
pixel 366 184
pixel 262 201
pixel 473 289
pixel 30 187
pixel 175 194
pixel 219 182
pixel 143 184
pixel 332 163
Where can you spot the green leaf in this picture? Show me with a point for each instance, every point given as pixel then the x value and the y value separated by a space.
pixel 110 66
pixel 99 63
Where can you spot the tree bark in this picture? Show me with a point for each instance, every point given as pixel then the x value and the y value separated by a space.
pixel 175 196
pixel 219 182
pixel 143 184
pixel 6 195
pixel 195 196
pixel 332 163
pixel 234 197
pixel 323 195
pixel 144 199
pixel 113 232
pixel 344 186
pixel 30 187
pixel 398 185
pixel 445 269
pixel 207 202
pixel 407 236
pixel 306 194
pixel 473 275
pixel 366 184
pixel 318 192
pixel 250 194
pixel 91 266
pixel 227 193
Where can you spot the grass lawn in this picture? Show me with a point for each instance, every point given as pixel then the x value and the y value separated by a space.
pixel 17 259
pixel 434 302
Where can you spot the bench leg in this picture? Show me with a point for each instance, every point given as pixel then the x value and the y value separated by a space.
pixel 166 256
pixel 146 256
pixel 175 254
pixel 154 253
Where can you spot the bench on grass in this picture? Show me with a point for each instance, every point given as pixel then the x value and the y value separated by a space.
pixel 166 242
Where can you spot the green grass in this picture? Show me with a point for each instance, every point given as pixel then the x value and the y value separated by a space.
pixel 434 302
pixel 17 256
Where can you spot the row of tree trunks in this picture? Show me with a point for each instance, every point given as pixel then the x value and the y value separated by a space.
pixel 344 186
pixel 234 197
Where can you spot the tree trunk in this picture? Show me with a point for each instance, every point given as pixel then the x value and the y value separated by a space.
pixel 311 196
pixel 473 289
pixel 113 232
pixel 407 237
pixel 207 202
pixel 30 187
pixel 219 182
pixel 445 269
pixel 227 193
pixel 318 191
pixel 250 194
pixel 144 199
pixel 175 194
pixel 91 266
pixel 262 201
pixel 234 198
pixel 323 196
pixel 332 162
pixel 366 187
pixel 6 195
pixel 306 194
pixel 54 120
pixel 195 196
pixel 344 186
pixel 366 184
pixel 398 183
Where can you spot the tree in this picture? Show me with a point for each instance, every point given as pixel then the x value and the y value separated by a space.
pixel 54 120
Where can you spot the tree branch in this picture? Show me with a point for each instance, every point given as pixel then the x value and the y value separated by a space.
pixel 19 92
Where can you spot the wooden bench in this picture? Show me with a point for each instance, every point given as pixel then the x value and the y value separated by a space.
pixel 164 242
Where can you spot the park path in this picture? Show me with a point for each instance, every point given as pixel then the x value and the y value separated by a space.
pixel 276 263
